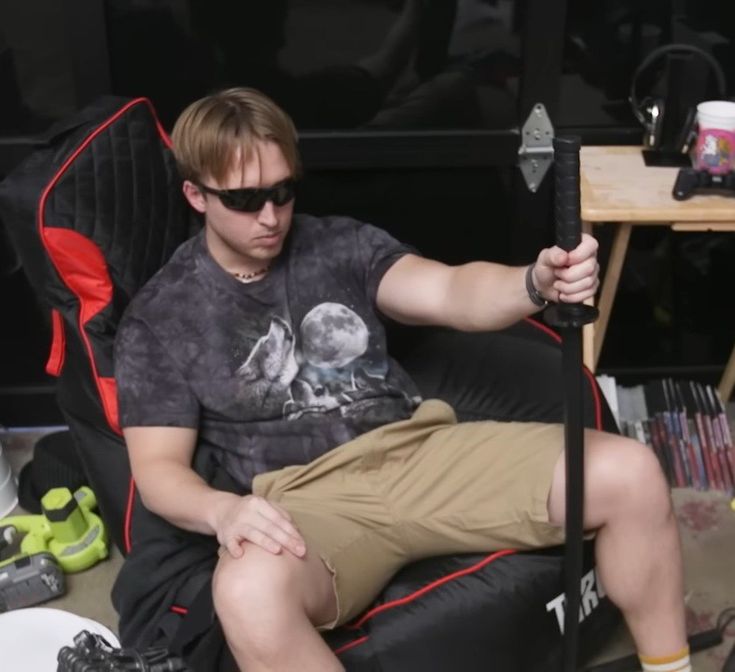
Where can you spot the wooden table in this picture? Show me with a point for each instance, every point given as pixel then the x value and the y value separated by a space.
pixel 619 190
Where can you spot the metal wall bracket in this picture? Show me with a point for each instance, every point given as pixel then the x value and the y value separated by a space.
pixel 536 152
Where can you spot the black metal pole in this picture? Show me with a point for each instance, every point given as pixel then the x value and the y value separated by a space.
pixel 569 319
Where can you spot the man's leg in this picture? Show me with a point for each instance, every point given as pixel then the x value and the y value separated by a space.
pixel 269 605
pixel 627 501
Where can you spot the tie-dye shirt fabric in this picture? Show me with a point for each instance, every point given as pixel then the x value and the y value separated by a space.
pixel 274 372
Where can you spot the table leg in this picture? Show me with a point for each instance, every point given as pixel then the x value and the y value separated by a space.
pixel 727 383
pixel 588 331
pixel 595 335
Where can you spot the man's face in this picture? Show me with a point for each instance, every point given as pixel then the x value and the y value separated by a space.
pixel 245 242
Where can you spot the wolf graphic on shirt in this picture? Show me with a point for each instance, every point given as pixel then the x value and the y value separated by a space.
pixel 326 368
pixel 271 367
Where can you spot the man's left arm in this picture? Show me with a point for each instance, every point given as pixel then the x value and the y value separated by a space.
pixel 483 296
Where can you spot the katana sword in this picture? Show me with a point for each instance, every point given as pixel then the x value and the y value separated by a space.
pixel 568 319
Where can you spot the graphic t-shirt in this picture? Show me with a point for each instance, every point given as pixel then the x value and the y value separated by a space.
pixel 274 372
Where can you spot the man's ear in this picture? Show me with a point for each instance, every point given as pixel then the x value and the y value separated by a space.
pixel 195 196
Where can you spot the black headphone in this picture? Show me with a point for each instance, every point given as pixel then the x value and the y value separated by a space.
pixel 650 110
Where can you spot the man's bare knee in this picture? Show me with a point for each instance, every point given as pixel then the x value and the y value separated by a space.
pixel 632 476
pixel 622 478
pixel 261 583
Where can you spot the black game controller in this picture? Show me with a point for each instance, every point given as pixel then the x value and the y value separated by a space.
pixel 691 180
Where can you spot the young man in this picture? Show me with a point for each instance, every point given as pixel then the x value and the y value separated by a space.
pixel 260 408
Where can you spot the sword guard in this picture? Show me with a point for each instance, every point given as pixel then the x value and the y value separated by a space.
pixel 570 315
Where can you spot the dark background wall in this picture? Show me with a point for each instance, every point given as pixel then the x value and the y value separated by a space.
pixel 409 114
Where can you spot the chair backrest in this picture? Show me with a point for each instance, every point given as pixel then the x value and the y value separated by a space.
pixel 93 214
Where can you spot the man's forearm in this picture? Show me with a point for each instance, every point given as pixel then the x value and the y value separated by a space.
pixel 484 296
pixel 178 494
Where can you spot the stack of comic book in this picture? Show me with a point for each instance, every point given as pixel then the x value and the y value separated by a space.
pixel 686 425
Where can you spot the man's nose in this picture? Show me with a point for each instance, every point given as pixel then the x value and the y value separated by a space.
pixel 267 214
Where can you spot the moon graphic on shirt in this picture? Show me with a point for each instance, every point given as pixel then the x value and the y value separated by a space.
pixel 332 335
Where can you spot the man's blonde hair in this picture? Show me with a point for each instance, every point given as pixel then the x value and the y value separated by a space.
pixel 214 132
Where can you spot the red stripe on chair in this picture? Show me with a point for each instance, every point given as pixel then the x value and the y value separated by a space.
pixel 108 392
pixel 347 647
pixel 128 525
pixel 590 377
pixel 429 587
pixel 547 330
pixel 58 344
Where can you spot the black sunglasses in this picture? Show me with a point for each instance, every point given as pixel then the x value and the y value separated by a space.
pixel 253 199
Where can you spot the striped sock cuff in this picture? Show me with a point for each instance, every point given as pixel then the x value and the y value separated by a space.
pixel 677 662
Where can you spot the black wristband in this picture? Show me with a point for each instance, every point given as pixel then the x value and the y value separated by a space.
pixel 536 298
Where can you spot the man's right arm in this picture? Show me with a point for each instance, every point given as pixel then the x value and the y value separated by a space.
pixel 160 459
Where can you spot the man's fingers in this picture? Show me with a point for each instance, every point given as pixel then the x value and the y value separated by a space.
pixel 270 538
pixel 275 515
pixel 587 248
pixel 280 509
pixel 293 543
pixel 555 257
pixel 579 292
pixel 263 540
pixel 551 258
pixel 560 257
pixel 584 284
pixel 234 548
pixel 589 268
pixel 259 522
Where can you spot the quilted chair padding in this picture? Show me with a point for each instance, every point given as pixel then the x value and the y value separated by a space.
pixel 93 215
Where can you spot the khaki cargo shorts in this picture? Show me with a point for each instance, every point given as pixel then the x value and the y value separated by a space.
pixel 420 487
